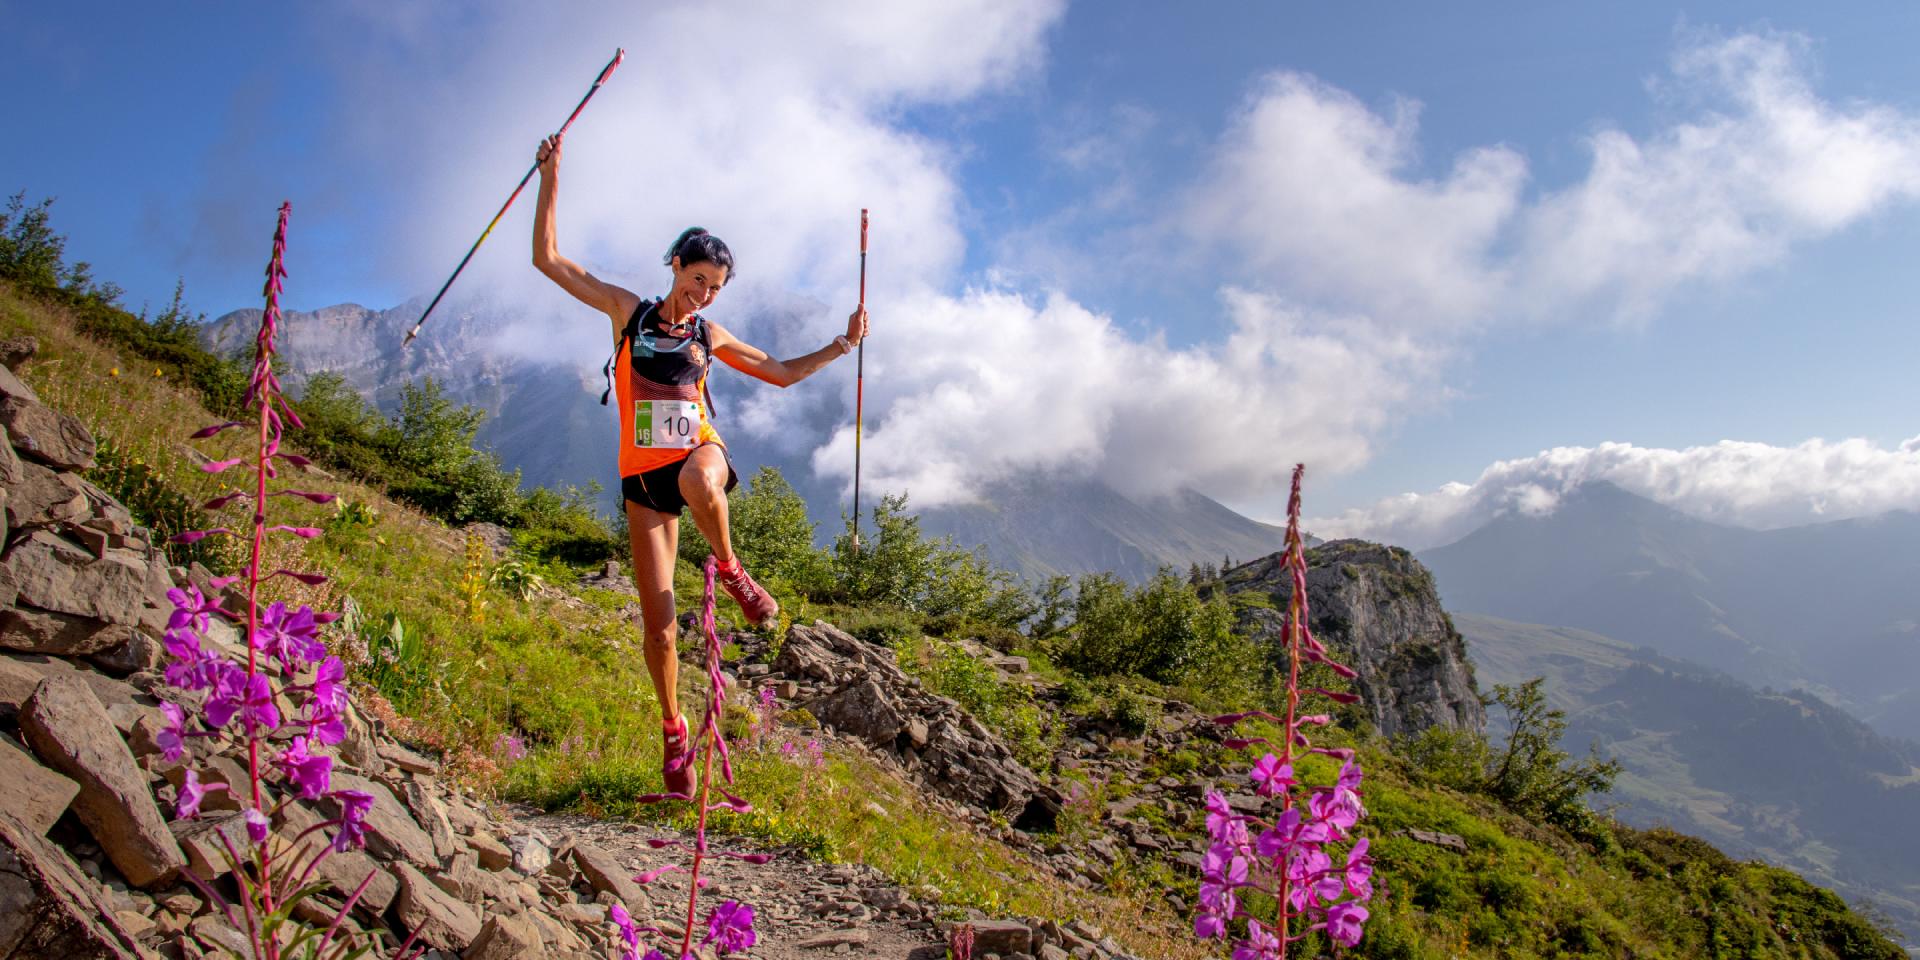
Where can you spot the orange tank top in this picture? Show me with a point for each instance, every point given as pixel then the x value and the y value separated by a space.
pixel 653 365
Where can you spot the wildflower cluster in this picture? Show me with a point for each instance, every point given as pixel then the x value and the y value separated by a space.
pixel 1290 856
pixel 730 924
pixel 224 701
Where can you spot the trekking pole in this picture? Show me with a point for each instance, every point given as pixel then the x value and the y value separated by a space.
pixel 859 386
pixel 618 55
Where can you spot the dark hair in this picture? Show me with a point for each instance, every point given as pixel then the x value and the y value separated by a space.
pixel 696 245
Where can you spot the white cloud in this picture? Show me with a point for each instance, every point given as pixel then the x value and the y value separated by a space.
pixel 1739 483
pixel 1768 163
pixel 1312 184
pixel 1018 386
pixel 1322 194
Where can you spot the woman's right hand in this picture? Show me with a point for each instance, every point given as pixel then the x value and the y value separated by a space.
pixel 548 156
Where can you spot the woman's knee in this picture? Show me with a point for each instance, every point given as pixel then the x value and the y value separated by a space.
pixel 704 481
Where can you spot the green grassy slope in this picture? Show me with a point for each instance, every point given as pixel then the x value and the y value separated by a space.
pixel 560 676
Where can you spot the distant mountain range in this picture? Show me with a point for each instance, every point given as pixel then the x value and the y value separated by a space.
pixel 546 420
pixel 1779 776
pixel 1831 608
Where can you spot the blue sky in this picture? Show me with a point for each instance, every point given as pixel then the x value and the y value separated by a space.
pixel 1260 210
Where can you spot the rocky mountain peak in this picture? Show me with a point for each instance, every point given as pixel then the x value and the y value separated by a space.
pixel 1378 608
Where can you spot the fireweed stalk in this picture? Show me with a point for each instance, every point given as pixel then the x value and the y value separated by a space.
pixel 285 663
pixel 1288 857
pixel 730 924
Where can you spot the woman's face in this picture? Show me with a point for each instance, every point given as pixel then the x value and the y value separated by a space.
pixel 694 286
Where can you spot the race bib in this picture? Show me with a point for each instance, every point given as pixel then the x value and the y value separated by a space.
pixel 666 424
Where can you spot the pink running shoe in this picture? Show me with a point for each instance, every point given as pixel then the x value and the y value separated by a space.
pixel 756 603
pixel 676 766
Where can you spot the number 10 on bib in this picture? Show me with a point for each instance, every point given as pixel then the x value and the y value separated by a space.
pixel 666 424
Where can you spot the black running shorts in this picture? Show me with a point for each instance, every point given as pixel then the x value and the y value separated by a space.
pixel 659 489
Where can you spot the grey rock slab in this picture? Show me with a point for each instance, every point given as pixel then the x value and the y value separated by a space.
pixel 49 908
pixel 53 574
pixel 407 759
pixel 201 840
pixel 530 854
pixel 59 634
pixel 605 874
pixel 49 436
pixel 440 920
pixel 15 351
pixel 493 854
pixel 10 472
pixel 392 833
pixel 1001 936
pixel 31 793
pixel 41 497
pixel 432 818
pixel 218 934
pixel 69 731
pixel 507 938
pixel 850 937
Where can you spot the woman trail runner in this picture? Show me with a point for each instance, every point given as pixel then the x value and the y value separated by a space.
pixel 671 457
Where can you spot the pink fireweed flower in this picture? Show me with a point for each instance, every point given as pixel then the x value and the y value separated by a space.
pixel 257 826
pixel 325 723
pixel 1339 810
pixel 354 807
pixel 250 696
pixel 730 927
pixel 1349 776
pixel 1271 777
pixel 192 794
pixel 1208 926
pixel 190 608
pixel 309 774
pixel 1261 943
pixel 290 637
pixel 510 747
pixel 628 933
pixel 329 682
pixel 172 739
pixel 1359 873
pixel 1344 923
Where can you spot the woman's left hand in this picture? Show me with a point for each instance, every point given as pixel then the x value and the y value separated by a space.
pixel 857 325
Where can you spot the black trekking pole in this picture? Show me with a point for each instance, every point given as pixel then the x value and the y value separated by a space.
pixel 618 55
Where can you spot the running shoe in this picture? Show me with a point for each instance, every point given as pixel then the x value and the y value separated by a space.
pixel 755 602
pixel 676 766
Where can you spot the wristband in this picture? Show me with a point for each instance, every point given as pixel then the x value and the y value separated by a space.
pixel 845 345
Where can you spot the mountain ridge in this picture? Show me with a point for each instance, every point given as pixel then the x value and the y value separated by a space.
pixel 1826 606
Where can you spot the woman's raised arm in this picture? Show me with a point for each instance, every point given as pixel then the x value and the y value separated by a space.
pixel 611 300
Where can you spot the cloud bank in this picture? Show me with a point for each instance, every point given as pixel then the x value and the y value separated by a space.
pixel 1742 484
pixel 1362 273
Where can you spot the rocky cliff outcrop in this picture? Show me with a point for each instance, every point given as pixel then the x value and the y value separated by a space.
pixel 856 688
pixel 1377 607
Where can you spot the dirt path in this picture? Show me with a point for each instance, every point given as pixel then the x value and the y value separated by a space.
pixel 803 909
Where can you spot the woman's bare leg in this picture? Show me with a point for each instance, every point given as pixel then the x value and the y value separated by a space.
pixel 703 484
pixel 656 538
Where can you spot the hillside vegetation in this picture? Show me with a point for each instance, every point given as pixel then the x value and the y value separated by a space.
pixel 529 682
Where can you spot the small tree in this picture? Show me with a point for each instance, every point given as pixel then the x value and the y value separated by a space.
pixel 1532 775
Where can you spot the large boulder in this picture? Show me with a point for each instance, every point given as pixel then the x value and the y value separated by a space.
pixel 54 574
pixel 872 699
pixel 70 731
pixel 49 908
pixel 440 920
pixel 55 439
pixel 61 634
pixel 31 793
